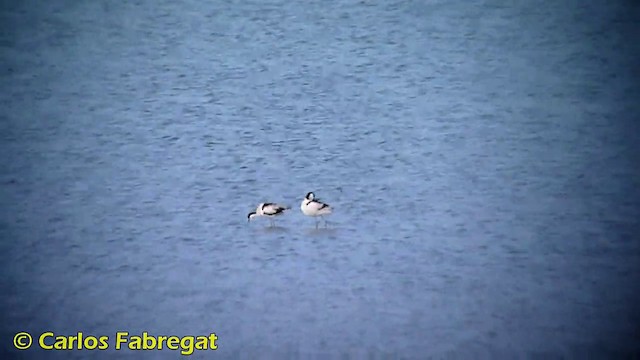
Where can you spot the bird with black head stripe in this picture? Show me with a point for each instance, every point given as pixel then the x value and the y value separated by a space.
pixel 311 206
pixel 270 210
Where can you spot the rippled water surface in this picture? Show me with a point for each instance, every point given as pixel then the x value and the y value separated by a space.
pixel 481 159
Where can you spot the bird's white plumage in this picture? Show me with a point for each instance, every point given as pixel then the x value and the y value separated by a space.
pixel 269 210
pixel 313 207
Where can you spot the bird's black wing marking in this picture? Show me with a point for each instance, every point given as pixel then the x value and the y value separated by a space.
pixel 276 209
pixel 266 204
pixel 322 205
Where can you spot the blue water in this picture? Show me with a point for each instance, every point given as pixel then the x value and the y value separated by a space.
pixel 481 159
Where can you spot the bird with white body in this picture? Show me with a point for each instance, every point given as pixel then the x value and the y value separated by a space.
pixel 270 210
pixel 313 207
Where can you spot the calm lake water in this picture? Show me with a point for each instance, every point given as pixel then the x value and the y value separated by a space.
pixel 481 158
